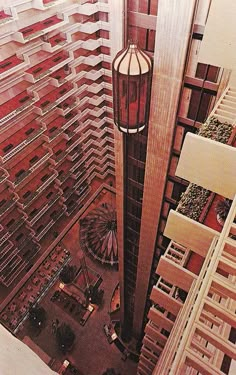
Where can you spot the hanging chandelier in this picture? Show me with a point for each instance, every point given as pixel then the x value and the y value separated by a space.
pixel 131 77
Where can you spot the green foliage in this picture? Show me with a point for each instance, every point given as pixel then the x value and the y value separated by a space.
pixel 216 130
pixel 67 275
pixel 223 207
pixel 192 201
pixel 195 197
pixel 65 337
pixel 37 316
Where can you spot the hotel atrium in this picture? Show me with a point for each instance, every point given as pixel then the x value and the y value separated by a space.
pixel 117 189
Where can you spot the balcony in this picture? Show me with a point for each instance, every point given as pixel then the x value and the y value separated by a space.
pixel 16 140
pixel 67 105
pixel 48 220
pixel 10 224
pixel 30 250
pixel 13 267
pixel 21 238
pixel 74 139
pixel 54 127
pixel 3 175
pixel 76 153
pixel 42 204
pixel 14 105
pixel 79 172
pixel 68 188
pixel 51 97
pixel 63 172
pixel 45 4
pixel 61 75
pixel 23 167
pixel 47 66
pixel 59 150
pixel 71 131
pixel 82 189
pixel 72 204
pixel 36 186
pixel 11 65
pixel 37 29
pixel 4 249
pixel 5 16
pixel 8 200
pixel 55 42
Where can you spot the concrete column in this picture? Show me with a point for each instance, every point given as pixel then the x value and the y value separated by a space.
pixel 174 22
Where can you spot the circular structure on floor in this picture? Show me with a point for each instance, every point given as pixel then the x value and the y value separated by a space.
pixel 98 234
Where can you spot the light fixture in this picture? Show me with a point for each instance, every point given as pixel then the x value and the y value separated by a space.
pixel 131 77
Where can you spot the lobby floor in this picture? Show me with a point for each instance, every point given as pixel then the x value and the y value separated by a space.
pixel 92 354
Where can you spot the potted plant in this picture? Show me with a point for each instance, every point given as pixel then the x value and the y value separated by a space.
pixel 222 210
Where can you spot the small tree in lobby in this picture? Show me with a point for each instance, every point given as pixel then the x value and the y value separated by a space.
pixel 65 337
pixel 67 275
pixel 37 316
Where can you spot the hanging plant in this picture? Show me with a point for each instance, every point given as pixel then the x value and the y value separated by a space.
pixel 222 210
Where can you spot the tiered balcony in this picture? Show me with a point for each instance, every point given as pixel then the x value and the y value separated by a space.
pixel 21 237
pixel 8 200
pixel 51 97
pixel 18 101
pixel 11 65
pixel 27 163
pixel 80 71
pixel 63 172
pixel 82 189
pixel 70 133
pixel 79 55
pixel 29 251
pixel 59 150
pixel 67 105
pixel 6 16
pixel 48 220
pixel 11 266
pixel 5 251
pixel 13 221
pixel 45 4
pixel 68 187
pixel 55 42
pixel 42 204
pixel 36 185
pixel 13 141
pixel 79 172
pixel 57 124
pixel 62 75
pixel 76 153
pixel 74 139
pixel 3 175
pixel 75 199
pixel 37 29
pixel 72 204
pixel 48 66
pixel 54 127
pixel 13 260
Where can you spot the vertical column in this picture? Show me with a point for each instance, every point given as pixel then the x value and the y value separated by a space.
pixel 174 23
pixel 117 10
